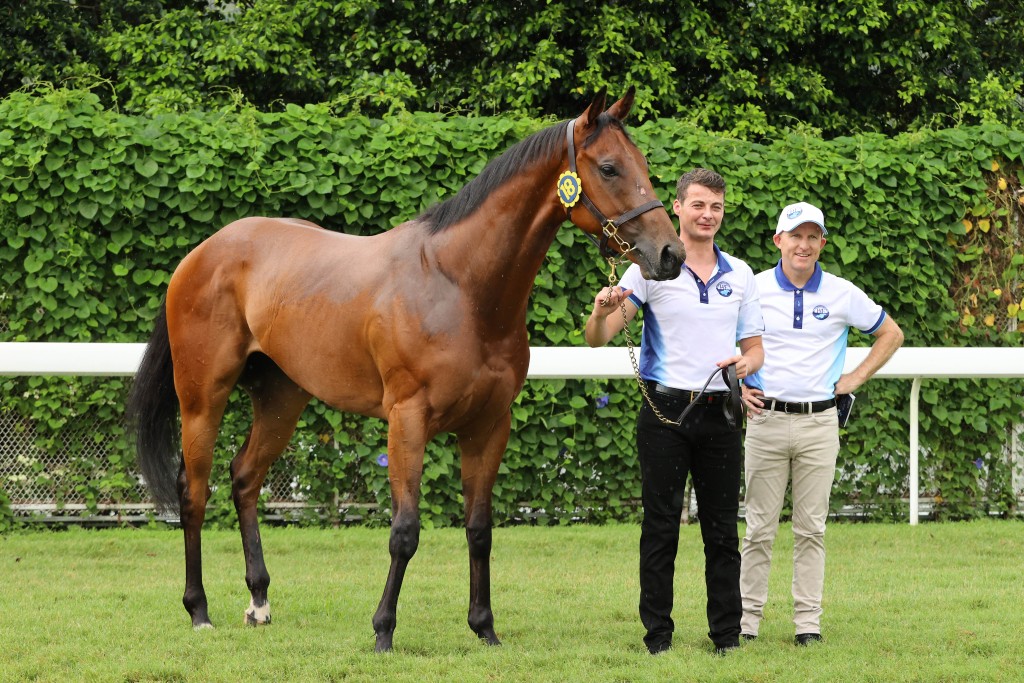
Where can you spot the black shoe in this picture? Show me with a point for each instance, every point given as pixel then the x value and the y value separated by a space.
pixel 722 650
pixel 804 639
pixel 747 637
pixel 659 647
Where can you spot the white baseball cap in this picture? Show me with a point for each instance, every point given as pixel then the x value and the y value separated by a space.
pixel 797 214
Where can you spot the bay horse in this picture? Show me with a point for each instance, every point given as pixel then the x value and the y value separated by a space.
pixel 423 325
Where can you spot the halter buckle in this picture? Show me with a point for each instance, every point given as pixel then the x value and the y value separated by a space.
pixel 611 231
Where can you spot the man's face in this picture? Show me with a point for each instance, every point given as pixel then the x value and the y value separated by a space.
pixel 700 213
pixel 800 249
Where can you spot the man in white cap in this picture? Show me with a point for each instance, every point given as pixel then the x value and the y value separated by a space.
pixel 793 423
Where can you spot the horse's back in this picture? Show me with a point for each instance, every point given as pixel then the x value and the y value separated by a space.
pixel 306 297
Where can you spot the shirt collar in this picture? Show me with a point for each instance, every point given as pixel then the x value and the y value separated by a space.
pixel 721 267
pixel 723 264
pixel 811 286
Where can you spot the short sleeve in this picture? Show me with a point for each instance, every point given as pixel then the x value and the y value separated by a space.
pixel 632 279
pixel 865 314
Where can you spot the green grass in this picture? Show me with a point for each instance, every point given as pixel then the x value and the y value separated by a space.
pixel 937 602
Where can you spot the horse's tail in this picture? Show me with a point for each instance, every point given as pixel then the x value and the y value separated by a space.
pixel 152 415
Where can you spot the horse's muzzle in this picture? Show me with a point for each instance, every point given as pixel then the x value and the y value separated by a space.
pixel 669 263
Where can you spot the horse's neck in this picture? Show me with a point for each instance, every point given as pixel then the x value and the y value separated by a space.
pixel 498 251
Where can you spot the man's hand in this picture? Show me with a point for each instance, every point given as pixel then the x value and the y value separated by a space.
pixel 609 299
pixel 752 399
pixel 601 326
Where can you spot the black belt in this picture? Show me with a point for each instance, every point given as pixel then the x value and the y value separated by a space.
pixel 800 407
pixel 707 397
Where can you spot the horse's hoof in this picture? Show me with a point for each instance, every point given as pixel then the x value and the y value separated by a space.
pixel 257 615
pixel 252 620
pixel 489 637
pixel 201 626
pixel 383 643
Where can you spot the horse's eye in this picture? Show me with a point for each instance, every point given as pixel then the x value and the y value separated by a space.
pixel 608 171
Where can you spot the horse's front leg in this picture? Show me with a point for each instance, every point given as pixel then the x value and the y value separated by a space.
pixel 406 444
pixel 482 451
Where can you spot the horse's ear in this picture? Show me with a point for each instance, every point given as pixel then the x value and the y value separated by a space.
pixel 620 109
pixel 589 117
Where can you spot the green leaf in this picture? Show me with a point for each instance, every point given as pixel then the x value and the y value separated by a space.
pixel 88 209
pixel 47 284
pixel 147 168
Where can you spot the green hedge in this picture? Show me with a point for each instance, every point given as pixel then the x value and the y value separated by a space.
pixel 97 208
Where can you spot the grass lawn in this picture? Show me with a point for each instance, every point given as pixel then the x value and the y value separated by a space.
pixel 936 602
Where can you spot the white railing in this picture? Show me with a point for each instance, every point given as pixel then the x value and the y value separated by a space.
pixel 915 364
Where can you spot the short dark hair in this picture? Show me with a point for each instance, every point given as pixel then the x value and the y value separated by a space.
pixel 699 176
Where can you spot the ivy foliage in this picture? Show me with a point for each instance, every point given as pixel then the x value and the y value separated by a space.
pixel 98 207
pixel 754 70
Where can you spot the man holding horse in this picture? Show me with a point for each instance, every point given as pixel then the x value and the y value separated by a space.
pixel 692 324
pixel 793 421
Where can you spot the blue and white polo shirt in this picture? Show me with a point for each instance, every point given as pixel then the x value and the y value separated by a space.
pixel 806 331
pixel 689 325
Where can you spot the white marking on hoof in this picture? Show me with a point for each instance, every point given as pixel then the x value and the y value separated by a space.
pixel 201 627
pixel 257 616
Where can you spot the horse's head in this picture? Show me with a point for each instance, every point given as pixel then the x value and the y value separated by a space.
pixel 608 193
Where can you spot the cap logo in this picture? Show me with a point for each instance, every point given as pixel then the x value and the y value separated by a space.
pixel 794 213
pixel 820 312
pixel 724 288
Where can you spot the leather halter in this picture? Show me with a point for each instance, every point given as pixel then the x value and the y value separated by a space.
pixel 609 228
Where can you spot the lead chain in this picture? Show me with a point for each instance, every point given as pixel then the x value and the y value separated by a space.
pixel 613 279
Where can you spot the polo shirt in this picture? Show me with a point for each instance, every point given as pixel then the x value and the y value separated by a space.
pixel 806 331
pixel 690 325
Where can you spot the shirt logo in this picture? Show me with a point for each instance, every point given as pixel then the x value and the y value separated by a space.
pixel 724 288
pixel 820 312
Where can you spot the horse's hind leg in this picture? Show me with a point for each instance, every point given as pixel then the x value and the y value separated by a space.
pixel 482 451
pixel 277 404
pixel 200 418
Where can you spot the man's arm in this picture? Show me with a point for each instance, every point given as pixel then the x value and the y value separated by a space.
pixel 751 357
pixel 752 352
pixel 606 319
pixel 888 338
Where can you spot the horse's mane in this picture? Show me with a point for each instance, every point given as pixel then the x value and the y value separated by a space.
pixel 542 144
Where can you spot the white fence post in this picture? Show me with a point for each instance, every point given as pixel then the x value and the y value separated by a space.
pixel 915 395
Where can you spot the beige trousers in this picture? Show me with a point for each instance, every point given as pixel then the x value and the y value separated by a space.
pixel 779 445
